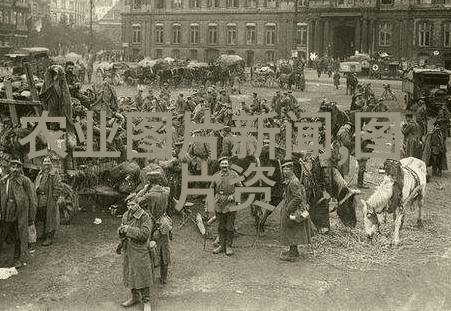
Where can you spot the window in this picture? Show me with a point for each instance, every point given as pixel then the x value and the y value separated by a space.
pixel 232 3
pixel 176 4
pixel 271 3
pixel 438 1
pixel 231 34
pixel 212 34
pixel 270 56
pixel 424 34
pixel 159 34
pixel 387 2
pixel 193 54
pixel 13 17
pixel 251 3
pixel 385 34
pixel 175 54
pixel 136 34
pixel 447 35
pixel 270 34
pixel 177 28
pixel 7 17
pixel 194 36
pixel 158 53
pixel 20 20
pixel 159 4
pixel 230 52
pixel 251 37
pixel 213 3
pixel 1 16
pixel 194 4
pixel 339 2
pixel 301 36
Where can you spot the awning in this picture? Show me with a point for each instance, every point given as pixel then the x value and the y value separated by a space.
pixel 194 24
pixel 177 25
pixel 212 25
pixel 136 25
pixel 270 24
pixel 250 25
pixel 159 25
pixel 231 25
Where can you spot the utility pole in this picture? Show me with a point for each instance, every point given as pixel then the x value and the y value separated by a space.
pixel 91 7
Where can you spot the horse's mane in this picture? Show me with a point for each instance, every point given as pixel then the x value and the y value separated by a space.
pixel 379 200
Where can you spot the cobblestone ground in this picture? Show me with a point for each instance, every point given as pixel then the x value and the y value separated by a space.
pixel 342 271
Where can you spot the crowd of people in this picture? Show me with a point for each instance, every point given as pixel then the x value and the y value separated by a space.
pixel 146 228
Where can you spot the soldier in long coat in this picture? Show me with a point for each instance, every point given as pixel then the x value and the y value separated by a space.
pixel 345 139
pixel 434 153
pixel 18 210
pixel 292 232
pixel 49 189
pixel 413 146
pixel 135 231
pixel 154 199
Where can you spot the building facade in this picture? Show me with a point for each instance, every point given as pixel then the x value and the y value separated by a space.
pixel 75 12
pixel 14 20
pixel 266 30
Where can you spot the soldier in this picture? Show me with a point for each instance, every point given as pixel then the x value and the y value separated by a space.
pixel 256 103
pixel 224 199
pixel 18 210
pixel 154 199
pixel 362 165
pixel 4 161
pixel 180 104
pixel 166 93
pixel 49 190
pixel 443 119
pixel 139 103
pixel 434 153
pixel 134 232
pixel 295 227
pixel 345 139
pixel 421 118
pixel 413 146
pixel 336 79
pixel 275 102
pixel 224 98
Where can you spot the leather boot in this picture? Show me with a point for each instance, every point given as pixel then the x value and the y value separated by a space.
pixel 163 274
pixel 48 238
pixel 146 304
pixel 360 183
pixel 229 240
pixel 221 247
pixel 133 300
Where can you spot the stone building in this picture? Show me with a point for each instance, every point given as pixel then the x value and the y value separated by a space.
pixel 266 30
pixel 14 17
pixel 76 12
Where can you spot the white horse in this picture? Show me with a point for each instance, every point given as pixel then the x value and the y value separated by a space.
pixel 408 174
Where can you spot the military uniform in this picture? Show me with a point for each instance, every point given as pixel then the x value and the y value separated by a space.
pixel 224 191
pixel 413 146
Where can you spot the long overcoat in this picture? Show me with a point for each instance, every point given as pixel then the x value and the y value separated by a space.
pixel 137 265
pixel 24 209
pixel 427 153
pixel 294 198
pixel 53 192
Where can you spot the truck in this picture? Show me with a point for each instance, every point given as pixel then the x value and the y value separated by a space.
pixel 433 85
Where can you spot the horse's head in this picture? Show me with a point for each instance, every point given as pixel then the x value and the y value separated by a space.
pixel 370 220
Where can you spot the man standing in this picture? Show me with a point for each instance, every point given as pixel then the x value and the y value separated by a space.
pixel 49 190
pixel 434 153
pixel 224 199
pixel 180 104
pixel 362 165
pixel 336 79
pixel 443 119
pixel 421 118
pixel 412 143
pixel 134 232
pixel 295 225
pixel 154 199
pixel 18 210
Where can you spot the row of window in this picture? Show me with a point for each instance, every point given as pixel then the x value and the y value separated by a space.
pixel 209 54
pixel 12 17
pixel 161 4
pixel 212 34
pixel 424 34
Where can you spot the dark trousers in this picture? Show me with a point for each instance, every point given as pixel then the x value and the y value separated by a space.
pixel 226 227
pixel 9 232
pixel 436 163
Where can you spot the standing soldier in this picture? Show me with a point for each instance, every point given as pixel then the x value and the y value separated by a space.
pixel 49 190
pixel 295 225
pixel 139 102
pixel 134 232
pixel 224 199
pixel 422 118
pixel 345 139
pixel 362 165
pixel 336 79
pixel 275 103
pixel 166 93
pixel 180 104
pixel 256 103
pixel 154 199
pixel 434 153
pixel 412 143
pixel 443 119
pixel 18 210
